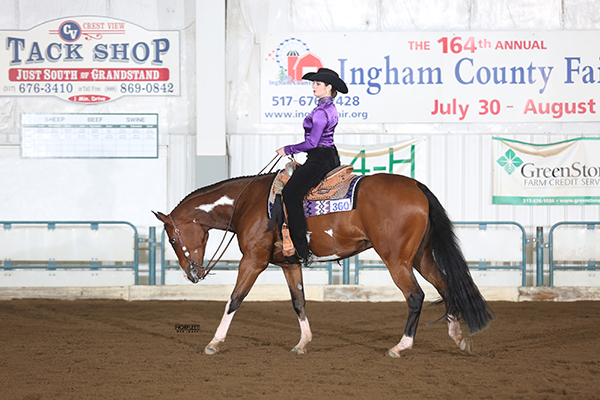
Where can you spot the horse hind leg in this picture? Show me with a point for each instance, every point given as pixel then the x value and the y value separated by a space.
pixel 429 270
pixel 464 343
pixel 293 275
pixel 406 282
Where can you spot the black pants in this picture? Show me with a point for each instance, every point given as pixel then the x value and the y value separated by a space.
pixel 319 162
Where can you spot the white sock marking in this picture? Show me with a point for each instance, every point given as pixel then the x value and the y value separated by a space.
pixel 221 332
pixel 223 201
pixel 305 333
pixel 405 343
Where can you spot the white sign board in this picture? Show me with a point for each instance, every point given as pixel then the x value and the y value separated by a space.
pixel 565 173
pixel 89 135
pixel 434 77
pixel 89 60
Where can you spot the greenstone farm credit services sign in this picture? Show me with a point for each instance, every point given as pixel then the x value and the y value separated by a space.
pixel 564 173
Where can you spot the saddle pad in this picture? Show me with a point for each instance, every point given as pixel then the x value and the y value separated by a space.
pixel 342 198
pixel 346 203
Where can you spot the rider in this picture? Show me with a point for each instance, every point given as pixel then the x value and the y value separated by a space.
pixel 322 155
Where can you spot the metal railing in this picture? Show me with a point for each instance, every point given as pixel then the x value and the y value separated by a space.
pixel 226 264
pixel 481 265
pixel 153 245
pixel 9 264
pixel 592 265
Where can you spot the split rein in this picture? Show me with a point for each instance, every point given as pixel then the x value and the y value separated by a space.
pixel 211 264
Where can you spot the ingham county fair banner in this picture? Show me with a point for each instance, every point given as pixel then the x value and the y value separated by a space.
pixel 432 77
pixel 89 60
pixel 553 174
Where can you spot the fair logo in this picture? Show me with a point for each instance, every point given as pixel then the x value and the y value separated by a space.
pixel 294 59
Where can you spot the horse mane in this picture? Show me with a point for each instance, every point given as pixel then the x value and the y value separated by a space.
pixel 217 184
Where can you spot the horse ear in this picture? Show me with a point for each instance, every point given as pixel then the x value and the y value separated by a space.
pixel 161 217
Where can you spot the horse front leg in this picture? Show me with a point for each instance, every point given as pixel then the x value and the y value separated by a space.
pixel 245 281
pixel 221 333
pixel 293 275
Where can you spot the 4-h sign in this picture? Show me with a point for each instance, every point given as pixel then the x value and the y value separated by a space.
pixel 393 158
pixel 564 173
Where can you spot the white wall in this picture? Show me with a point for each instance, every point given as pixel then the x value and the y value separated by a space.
pixel 458 155
pixel 54 189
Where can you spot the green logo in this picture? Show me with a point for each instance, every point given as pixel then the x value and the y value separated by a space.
pixel 510 161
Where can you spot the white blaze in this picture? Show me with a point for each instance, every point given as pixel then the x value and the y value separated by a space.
pixel 223 201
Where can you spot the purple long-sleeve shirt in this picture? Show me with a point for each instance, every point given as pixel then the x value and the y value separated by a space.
pixel 319 127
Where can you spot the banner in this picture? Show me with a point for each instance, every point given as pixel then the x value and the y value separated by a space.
pixel 89 60
pixel 564 173
pixel 394 158
pixel 434 77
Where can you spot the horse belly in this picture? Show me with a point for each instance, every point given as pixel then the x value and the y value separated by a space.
pixel 336 236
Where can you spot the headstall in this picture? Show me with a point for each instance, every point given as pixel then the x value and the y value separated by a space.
pixel 186 252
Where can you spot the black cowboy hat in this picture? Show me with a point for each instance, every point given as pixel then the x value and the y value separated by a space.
pixel 328 76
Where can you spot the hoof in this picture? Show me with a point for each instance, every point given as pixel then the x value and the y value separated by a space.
pixel 393 354
pixel 211 350
pixel 298 350
pixel 466 345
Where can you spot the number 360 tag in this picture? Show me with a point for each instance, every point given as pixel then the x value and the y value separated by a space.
pixel 340 205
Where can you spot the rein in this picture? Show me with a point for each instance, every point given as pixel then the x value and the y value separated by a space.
pixel 211 264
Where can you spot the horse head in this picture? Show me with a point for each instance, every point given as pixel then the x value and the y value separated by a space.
pixel 188 239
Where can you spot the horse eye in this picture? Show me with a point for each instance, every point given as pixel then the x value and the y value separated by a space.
pixel 173 241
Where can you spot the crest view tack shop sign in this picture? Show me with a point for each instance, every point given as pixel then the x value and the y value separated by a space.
pixel 89 60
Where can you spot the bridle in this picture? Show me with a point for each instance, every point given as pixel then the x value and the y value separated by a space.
pixel 186 253
pixel 211 264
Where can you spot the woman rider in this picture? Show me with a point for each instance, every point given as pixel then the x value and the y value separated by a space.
pixel 322 156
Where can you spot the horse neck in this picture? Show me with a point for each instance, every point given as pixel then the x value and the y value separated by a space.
pixel 213 206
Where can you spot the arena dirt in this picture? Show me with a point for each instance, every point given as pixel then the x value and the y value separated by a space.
pixel 105 349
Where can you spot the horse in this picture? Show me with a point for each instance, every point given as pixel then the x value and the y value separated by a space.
pixel 397 216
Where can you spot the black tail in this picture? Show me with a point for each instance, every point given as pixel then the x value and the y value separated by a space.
pixel 464 299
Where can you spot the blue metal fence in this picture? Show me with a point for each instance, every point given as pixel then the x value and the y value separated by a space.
pixel 592 265
pixel 153 244
pixel 481 265
pixel 93 265
pixel 224 264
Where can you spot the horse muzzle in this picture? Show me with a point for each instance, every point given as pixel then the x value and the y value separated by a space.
pixel 196 272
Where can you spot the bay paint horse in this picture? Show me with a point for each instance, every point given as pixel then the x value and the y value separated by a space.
pixel 398 216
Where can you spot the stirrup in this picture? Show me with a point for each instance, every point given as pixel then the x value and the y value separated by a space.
pixel 309 260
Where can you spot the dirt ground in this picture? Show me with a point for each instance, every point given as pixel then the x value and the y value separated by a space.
pixel 92 349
